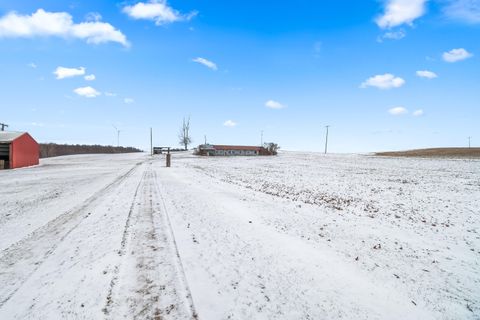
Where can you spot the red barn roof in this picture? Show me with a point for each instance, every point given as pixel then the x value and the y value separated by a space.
pixel 9 136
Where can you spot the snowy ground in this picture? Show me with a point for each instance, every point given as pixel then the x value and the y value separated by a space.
pixel 298 236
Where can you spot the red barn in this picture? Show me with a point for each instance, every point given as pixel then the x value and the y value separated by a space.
pixel 17 150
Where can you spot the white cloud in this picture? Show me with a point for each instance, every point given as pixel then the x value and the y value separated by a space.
pixel 93 16
pixel 206 63
pixel 59 24
pixel 98 32
pixel 62 72
pixel 158 11
pixel 230 123
pixel 463 10
pixel 274 104
pixel 397 111
pixel 393 35
pixel 418 113
pixel 32 65
pixel 90 77
pixel 87 92
pixel 383 81
pixel 455 55
pixel 398 12
pixel 427 74
pixel 128 100
pixel 110 94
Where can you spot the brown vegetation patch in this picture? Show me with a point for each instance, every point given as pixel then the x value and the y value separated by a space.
pixel 435 153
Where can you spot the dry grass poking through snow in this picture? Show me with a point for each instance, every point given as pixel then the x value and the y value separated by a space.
pixel 435 153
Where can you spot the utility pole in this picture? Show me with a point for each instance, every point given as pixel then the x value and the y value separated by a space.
pixel 469 146
pixel 4 125
pixel 326 140
pixel 118 135
pixel 151 141
pixel 205 136
pixel 261 138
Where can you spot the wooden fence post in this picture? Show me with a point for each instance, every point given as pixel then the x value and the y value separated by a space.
pixel 168 158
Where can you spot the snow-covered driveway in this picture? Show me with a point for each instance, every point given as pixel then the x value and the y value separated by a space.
pixel 298 236
pixel 85 237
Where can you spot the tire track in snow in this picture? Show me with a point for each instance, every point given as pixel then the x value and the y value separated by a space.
pixel 20 261
pixel 149 282
pixel 121 251
pixel 177 253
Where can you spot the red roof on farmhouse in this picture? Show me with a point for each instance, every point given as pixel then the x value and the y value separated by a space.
pixel 223 147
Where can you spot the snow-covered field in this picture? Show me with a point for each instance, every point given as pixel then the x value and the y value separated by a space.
pixel 298 236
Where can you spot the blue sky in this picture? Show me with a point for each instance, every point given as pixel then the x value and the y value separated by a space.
pixel 386 75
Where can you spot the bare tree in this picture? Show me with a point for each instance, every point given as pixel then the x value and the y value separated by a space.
pixel 184 135
pixel 271 147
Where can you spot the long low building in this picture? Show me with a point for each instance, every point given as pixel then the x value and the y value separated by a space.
pixel 226 150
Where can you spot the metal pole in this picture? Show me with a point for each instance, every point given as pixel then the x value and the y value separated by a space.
pixel 326 140
pixel 3 126
pixel 151 141
pixel 469 142
pixel 261 139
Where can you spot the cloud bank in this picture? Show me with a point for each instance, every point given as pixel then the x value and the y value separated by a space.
pixel 58 24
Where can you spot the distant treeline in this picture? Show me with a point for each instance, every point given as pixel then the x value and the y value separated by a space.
pixel 54 150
